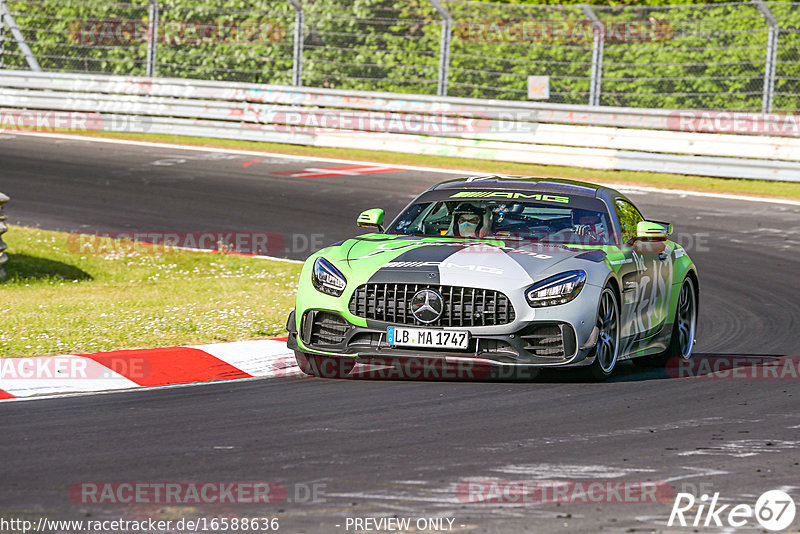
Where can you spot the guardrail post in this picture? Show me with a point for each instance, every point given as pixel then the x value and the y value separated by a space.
pixel 3 228
pixel 772 52
pixel 297 57
pixel 598 43
pixel 17 34
pixel 152 38
pixel 444 47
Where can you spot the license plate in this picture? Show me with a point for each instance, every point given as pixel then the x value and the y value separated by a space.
pixel 427 337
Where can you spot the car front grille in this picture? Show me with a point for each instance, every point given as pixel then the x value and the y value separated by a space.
pixel 463 306
pixel 549 340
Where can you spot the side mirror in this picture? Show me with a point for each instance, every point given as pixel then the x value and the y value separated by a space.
pixel 371 219
pixel 653 231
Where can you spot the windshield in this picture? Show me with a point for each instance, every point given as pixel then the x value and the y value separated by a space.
pixel 523 221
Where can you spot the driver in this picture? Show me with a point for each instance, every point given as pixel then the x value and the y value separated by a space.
pixel 468 221
pixel 587 223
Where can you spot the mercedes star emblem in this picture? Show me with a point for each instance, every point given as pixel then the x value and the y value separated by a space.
pixel 427 306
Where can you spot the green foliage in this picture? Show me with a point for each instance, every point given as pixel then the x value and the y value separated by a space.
pixel 681 55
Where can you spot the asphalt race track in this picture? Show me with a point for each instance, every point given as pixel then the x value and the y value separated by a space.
pixel 404 448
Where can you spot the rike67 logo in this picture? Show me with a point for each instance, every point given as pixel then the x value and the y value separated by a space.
pixel 774 510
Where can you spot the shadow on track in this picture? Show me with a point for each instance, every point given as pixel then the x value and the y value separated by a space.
pixel 700 366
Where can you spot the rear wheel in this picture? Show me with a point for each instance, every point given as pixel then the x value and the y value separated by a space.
pixel 681 342
pixel 607 348
pixel 324 366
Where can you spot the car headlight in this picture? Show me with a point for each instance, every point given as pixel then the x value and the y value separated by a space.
pixel 558 289
pixel 327 278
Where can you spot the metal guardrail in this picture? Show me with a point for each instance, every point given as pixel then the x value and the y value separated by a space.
pixel 655 119
pixel 3 228
pixel 593 137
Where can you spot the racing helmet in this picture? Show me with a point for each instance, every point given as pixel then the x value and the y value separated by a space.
pixel 468 219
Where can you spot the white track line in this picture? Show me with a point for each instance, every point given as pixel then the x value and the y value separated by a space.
pixel 133 389
pixel 237 151
pixel 149 144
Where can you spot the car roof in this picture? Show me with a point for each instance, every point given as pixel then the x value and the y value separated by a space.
pixel 532 183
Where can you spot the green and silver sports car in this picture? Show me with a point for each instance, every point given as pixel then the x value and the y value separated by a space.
pixel 512 271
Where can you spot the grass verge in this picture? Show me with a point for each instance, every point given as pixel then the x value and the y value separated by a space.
pixel 59 299
pixel 763 188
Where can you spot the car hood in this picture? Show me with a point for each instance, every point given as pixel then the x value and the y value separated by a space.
pixel 458 262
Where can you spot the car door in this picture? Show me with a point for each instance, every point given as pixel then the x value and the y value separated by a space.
pixel 646 286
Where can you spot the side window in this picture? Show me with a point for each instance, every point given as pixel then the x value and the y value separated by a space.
pixel 629 217
pixel 440 212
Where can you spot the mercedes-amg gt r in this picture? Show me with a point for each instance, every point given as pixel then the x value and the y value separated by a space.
pixel 503 270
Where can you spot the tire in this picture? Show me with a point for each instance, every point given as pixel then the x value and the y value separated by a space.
pixel 606 351
pixel 684 327
pixel 324 366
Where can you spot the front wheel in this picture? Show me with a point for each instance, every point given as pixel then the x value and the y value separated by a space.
pixel 607 349
pixel 324 366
